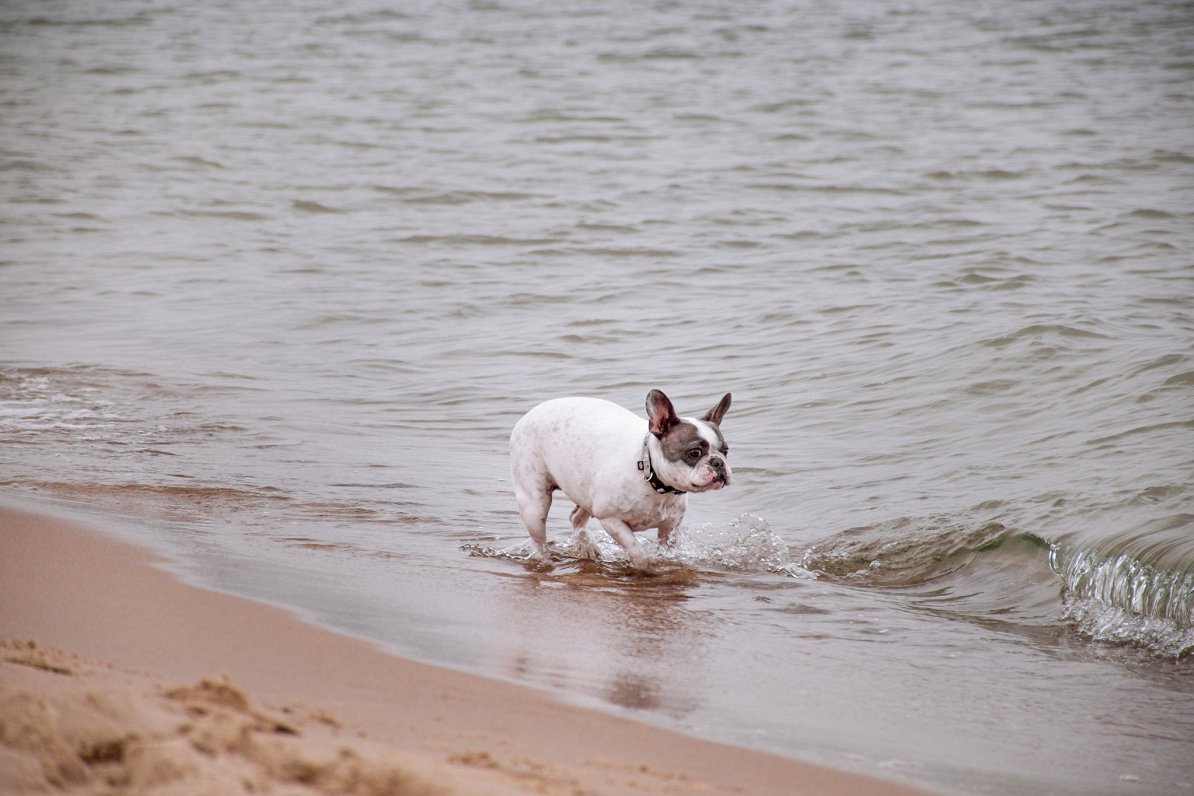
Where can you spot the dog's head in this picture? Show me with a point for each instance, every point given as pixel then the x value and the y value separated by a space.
pixel 695 454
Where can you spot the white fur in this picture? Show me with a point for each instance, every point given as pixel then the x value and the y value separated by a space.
pixel 590 448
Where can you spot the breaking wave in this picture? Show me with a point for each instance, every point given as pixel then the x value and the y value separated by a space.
pixel 1114 594
pixel 1116 597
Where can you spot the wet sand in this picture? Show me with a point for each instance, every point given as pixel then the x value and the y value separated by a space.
pixel 117 677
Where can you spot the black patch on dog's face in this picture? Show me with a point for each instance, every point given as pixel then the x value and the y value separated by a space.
pixel 684 443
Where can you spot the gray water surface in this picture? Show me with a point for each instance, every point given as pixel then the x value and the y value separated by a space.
pixel 279 278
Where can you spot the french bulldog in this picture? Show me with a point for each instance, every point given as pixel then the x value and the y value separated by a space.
pixel 629 474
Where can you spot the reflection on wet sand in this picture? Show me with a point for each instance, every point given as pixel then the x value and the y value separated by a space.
pixel 639 625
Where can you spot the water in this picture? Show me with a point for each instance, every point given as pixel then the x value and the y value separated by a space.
pixel 280 278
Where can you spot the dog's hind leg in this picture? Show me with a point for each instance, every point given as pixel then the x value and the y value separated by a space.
pixel 664 535
pixel 585 548
pixel 534 502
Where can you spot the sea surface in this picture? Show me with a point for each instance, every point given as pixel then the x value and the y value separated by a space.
pixel 276 280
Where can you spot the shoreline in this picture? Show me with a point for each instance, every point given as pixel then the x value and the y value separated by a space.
pixel 202 691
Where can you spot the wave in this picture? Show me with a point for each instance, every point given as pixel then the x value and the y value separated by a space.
pixel 1138 590
pixel 903 552
pixel 983 572
pixel 1117 597
pixel 213 499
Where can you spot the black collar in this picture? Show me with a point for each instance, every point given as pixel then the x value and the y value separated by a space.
pixel 644 464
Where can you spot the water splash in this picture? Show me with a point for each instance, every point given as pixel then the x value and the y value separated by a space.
pixel 746 545
pixel 1118 598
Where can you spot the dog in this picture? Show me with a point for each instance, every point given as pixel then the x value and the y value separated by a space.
pixel 629 474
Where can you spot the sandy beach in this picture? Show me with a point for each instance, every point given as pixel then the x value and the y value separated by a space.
pixel 116 677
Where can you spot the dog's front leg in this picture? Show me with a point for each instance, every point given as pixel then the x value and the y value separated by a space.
pixel 622 534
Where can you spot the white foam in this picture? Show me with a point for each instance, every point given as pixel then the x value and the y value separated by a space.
pixel 745 545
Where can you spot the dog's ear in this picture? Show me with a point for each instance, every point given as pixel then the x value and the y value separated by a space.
pixel 661 415
pixel 715 414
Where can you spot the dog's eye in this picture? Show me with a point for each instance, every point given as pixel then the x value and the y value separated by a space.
pixel 695 453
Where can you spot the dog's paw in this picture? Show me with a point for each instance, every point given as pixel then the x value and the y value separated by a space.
pixel 540 559
pixel 641 564
pixel 585 548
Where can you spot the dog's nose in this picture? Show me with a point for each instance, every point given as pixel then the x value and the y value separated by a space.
pixel 717 463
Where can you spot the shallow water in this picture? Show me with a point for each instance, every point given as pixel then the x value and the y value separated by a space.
pixel 282 279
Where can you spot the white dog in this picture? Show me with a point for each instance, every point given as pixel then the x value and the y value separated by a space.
pixel 629 474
